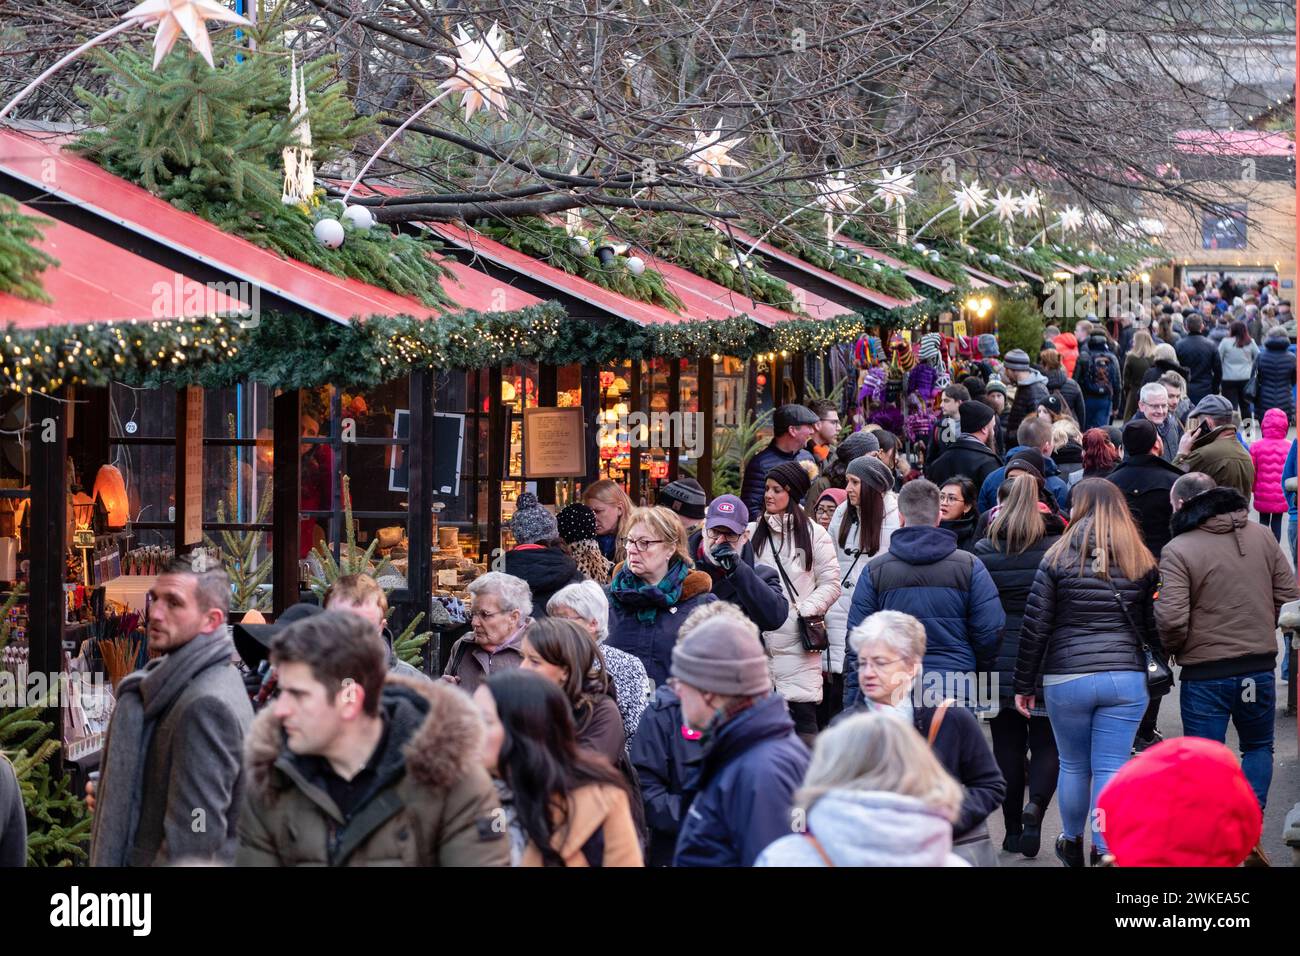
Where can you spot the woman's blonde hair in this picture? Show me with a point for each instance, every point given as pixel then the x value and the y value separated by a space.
pixel 877 752
pixel 1049 359
pixel 662 523
pixel 1102 533
pixel 1144 346
pixel 1018 521
pixel 1065 430
pixel 611 493
pixel 1164 352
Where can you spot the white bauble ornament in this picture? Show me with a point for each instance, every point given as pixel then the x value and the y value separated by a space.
pixel 635 265
pixel 359 216
pixel 582 245
pixel 329 233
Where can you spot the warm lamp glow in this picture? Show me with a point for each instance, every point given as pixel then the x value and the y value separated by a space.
pixel 83 506
pixel 253 616
pixel 111 489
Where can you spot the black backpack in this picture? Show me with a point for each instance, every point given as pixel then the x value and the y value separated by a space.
pixel 1099 380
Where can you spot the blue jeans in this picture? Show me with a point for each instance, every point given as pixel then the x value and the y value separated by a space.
pixel 1095 719
pixel 1097 411
pixel 1251 701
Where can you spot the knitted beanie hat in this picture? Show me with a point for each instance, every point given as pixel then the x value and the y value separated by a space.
pixel 576 522
pixel 873 473
pixel 531 522
pixel 722 657
pixel 791 476
pixel 856 445
pixel 686 497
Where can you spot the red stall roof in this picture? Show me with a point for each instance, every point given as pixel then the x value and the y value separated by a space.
pixel 780 255
pixel 1241 142
pixel 97 281
pixel 911 271
pixel 988 277
pixel 77 180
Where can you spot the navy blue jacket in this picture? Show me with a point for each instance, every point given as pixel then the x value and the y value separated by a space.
pixel 755 481
pixel 755 589
pixel 1201 357
pixel 744 782
pixel 1083 370
pixel 652 642
pixel 661 756
pixel 1275 378
pixel 924 574
pixel 988 496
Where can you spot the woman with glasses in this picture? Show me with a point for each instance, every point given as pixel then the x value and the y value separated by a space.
pixel 827 504
pixel 891 648
pixel 860 530
pixel 1089 612
pixel 654 590
pixel 957 510
pixel 803 554
pixel 502 604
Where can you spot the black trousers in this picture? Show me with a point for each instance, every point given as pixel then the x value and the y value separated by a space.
pixel 1014 736
pixel 832 699
pixel 804 715
pixel 1235 392
pixel 1273 522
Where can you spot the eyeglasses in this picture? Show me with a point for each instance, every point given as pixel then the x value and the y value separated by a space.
pixel 876 664
pixel 833 421
pixel 718 534
pixel 477 615
pixel 640 544
pixel 951 499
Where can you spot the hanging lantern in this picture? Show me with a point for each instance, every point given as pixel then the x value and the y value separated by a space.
pixel 658 469
pixel 606 380
pixel 83 508
pixel 508 391
pixel 110 486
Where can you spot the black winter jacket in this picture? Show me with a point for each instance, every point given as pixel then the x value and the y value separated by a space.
pixel 1013 575
pixel 1145 481
pixel 755 481
pixel 545 569
pixel 755 589
pixel 966 456
pixel 1025 403
pixel 961 748
pixel 1073 624
pixel 1071 394
pixel 1160 366
pixel 1201 357
pixel 1275 378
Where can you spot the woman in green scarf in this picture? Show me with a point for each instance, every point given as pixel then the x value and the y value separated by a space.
pixel 654 590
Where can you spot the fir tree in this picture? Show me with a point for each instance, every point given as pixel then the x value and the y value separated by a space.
pixel 21 263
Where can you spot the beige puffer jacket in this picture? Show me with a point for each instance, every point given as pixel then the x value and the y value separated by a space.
pixel 796 672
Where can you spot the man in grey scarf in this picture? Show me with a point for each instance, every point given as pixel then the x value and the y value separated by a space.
pixel 173 774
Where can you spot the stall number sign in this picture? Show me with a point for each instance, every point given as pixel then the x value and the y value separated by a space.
pixel 959 328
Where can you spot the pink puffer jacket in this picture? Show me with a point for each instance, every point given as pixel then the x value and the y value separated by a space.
pixel 1269 454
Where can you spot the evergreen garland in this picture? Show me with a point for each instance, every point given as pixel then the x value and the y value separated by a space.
pixel 700 249
pixel 209 142
pixel 553 245
pixel 21 263
pixel 941 267
pixel 845 263
pixel 290 351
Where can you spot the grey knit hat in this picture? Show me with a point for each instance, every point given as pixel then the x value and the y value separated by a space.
pixel 722 657
pixel 1017 360
pixel 856 445
pixel 531 522
pixel 872 472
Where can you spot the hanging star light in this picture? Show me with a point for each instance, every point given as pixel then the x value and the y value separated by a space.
pixel 1006 205
pixel 970 199
pixel 894 188
pixel 710 152
pixel 1071 219
pixel 299 170
pixel 836 193
pixel 173 17
pixel 480 71
pixel 1030 203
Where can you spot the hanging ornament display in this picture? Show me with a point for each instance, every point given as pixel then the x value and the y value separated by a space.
pixel 968 200
pixel 329 233
pixel 359 217
pixel 835 194
pixel 299 169
pixel 1030 204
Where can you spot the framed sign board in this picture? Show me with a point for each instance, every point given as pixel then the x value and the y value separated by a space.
pixel 449 442
pixel 554 442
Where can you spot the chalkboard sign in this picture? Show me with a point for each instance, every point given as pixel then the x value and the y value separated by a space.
pixel 448 450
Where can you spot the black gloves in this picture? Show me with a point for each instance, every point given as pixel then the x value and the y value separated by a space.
pixel 725 557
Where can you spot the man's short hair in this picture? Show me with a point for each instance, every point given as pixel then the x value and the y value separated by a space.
pixel 821 406
pixel 918 503
pixel 357 589
pixel 1033 433
pixel 211 584
pixel 1190 485
pixel 1152 391
pixel 1051 332
pixel 1194 324
pixel 338 646
pixel 959 392
pixel 1082 328
pixel 1174 379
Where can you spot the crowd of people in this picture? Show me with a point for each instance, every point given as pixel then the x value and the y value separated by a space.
pixel 796 675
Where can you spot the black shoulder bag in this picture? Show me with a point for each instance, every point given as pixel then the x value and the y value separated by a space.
pixel 812 630
pixel 1160 676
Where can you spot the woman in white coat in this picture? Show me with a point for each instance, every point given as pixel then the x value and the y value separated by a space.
pixel 860 530
pixel 803 554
